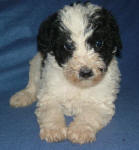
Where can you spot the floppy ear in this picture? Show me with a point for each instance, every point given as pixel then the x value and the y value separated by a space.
pixel 45 38
pixel 118 44
pixel 107 22
pixel 115 33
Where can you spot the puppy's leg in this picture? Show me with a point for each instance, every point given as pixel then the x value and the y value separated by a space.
pixel 87 123
pixel 28 95
pixel 51 121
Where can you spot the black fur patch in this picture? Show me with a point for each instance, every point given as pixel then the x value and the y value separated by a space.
pixel 57 42
pixel 106 31
pixel 54 41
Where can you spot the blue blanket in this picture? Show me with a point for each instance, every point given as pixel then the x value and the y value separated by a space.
pixel 19 23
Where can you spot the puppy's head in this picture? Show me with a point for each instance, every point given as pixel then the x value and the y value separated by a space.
pixel 83 38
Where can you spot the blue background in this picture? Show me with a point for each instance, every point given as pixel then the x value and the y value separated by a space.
pixel 19 22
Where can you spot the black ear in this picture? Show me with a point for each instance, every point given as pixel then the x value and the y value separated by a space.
pixel 47 31
pixel 118 44
pixel 115 33
pixel 106 21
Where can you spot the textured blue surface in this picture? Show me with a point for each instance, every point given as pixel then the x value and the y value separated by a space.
pixel 19 22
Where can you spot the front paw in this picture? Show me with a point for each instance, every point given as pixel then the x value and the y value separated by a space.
pixel 80 133
pixel 53 134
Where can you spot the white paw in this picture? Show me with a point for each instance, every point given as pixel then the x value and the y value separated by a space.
pixel 80 133
pixel 22 99
pixel 53 135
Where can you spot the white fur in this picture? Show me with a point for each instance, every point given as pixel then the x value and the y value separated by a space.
pixel 57 87
pixel 92 107
pixel 75 20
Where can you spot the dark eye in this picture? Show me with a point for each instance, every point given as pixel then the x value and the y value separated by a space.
pixel 69 47
pixel 99 43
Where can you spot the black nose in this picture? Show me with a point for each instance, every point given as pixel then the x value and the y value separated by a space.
pixel 85 72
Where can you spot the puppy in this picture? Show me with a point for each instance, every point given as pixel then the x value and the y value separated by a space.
pixel 75 73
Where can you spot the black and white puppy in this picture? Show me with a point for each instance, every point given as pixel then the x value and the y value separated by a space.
pixel 74 73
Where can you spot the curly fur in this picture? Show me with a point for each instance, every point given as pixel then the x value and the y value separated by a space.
pixel 76 37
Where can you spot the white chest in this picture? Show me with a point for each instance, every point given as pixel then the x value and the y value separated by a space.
pixel 71 97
